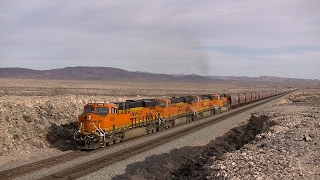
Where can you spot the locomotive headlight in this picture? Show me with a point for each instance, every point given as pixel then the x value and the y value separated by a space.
pixel 89 117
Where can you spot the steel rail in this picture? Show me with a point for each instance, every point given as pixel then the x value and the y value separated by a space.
pixel 17 171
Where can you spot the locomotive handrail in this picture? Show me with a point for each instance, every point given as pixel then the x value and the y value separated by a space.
pixel 76 133
pixel 101 132
pixel 80 127
pixel 193 110
pixel 162 119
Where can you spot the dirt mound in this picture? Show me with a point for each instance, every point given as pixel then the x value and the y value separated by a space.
pixel 27 125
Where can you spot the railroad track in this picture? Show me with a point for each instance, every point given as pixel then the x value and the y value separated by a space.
pixel 96 164
pixel 45 163
pixel 15 172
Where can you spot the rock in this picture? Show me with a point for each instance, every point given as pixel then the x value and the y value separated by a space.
pixel 307 138
pixel 27 118
pixel 223 156
pixel 249 146
pixel 222 167
pixel 258 137
pixel 311 135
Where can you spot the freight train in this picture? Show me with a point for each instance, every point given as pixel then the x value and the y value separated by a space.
pixel 106 123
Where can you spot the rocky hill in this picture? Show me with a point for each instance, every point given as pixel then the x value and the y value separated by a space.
pixel 108 73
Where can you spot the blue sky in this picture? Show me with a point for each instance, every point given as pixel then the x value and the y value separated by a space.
pixel 210 37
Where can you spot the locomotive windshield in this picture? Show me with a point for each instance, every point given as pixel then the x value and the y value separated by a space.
pixel 102 111
pixel 215 97
pixel 88 109
pixel 99 110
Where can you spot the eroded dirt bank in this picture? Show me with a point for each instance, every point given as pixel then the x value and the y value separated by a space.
pixel 281 142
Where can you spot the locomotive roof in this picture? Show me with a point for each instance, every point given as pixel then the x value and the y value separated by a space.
pixel 102 104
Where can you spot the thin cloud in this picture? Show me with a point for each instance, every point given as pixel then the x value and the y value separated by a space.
pixel 202 37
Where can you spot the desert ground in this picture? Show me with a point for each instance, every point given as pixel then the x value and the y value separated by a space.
pixel 38 117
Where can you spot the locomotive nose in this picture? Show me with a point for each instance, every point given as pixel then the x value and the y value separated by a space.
pixel 85 118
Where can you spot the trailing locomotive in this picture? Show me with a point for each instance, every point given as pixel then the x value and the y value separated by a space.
pixel 106 123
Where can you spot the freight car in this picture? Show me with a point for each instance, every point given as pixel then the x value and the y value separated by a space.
pixel 248 98
pixel 106 123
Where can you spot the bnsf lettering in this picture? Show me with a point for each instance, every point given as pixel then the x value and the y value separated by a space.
pixel 135 113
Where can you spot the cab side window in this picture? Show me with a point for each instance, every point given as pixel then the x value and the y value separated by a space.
pixel 162 104
pixel 114 110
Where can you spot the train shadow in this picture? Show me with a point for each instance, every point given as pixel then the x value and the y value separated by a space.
pixel 61 137
pixel 162 166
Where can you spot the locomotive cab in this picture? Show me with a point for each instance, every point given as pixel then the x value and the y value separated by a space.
pixel 218 99
pixel 95 116
pixel 163 107
pixel 103 124
pixel 196 103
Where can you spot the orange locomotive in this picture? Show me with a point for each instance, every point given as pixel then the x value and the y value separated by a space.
pixel 107 123
pixel 221 102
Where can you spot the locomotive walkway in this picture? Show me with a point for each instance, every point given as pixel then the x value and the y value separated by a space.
pixel 96 164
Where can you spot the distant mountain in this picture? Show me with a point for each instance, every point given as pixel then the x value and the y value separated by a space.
pixel 108 73
pixel 178 75
pixel 269 80
pixel 92 73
